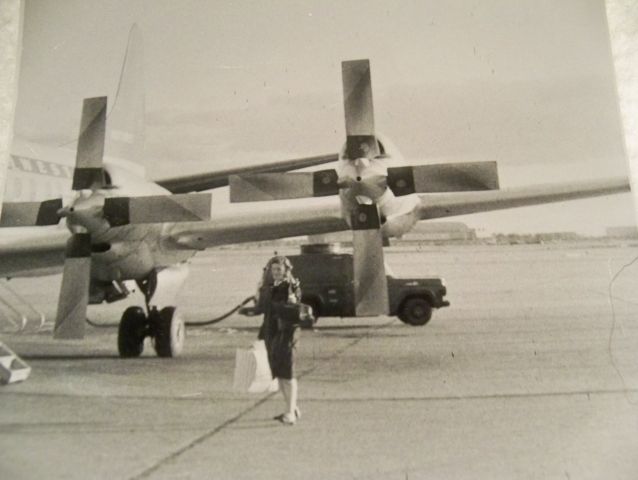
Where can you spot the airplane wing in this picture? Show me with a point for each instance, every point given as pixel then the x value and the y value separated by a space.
pixel 40 250
pixel 206 181
pixel 32 251
pixel 450 204
pixel 252 222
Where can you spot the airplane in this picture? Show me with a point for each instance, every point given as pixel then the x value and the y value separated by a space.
pixel 121 226
pixel 383 195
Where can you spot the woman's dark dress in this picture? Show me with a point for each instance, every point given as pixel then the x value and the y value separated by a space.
pixel 280 336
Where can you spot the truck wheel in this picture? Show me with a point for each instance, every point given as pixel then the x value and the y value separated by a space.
pixel 415 311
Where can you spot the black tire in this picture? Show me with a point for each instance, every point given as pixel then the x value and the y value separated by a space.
pixel 314 304
pixel 170 332
pixel 415 311
pixel 131 333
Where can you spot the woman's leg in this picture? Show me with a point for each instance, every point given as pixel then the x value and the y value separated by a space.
pixel 290 394
pixel 292 401
pixel 286 375
pixel 289 387
pixel 284 385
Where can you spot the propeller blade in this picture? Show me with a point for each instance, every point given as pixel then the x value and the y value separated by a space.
pixel 443 177
pixel 359 111
pixel 74 293
pixel 29 214
pixel 282 186
pixel 220 178
pixel 88 173
pixel 187 207
pixel 370 282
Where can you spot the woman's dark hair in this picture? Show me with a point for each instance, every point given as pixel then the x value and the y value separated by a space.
pixel 279 260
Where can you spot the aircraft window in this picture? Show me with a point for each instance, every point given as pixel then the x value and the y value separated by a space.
pixel 381 148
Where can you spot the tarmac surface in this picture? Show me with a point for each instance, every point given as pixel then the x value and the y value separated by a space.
pixel 532 372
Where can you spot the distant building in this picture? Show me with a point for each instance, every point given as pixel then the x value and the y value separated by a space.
pixel 531 238
pixel 626 232
pixel 434 232
pixel 440 232
pixel 335 237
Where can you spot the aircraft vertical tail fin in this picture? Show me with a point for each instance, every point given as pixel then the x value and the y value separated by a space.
pixel 126 125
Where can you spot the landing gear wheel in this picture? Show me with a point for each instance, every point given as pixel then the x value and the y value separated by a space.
pixel 415 311
pixel 131 333
pixel 170 332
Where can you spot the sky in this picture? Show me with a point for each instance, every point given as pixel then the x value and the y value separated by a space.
pixel 528 83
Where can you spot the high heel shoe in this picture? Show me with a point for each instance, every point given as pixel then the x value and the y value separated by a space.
pixel 282 415
pixel 288 419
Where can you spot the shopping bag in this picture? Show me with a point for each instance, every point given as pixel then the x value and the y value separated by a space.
pixel 252 371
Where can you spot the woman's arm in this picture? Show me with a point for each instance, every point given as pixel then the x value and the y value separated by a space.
pixel 294 290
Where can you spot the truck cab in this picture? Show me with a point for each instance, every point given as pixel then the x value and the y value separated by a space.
pixel 327 285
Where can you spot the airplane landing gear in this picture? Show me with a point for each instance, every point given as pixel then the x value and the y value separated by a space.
pixel 165 327
pixel 133 329
pixel 169 332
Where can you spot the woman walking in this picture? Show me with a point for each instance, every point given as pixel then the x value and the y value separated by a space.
pixel 279 296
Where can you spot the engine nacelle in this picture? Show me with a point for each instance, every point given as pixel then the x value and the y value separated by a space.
pixel 123 261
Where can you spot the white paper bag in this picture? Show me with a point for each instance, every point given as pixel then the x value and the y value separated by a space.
pixel 252 371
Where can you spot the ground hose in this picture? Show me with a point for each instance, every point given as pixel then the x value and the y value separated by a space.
pixel 221 317
pixel 188 324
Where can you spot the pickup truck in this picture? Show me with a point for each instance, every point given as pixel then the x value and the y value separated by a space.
pixel 327 285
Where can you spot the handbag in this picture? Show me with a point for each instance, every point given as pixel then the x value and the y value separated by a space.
pixel 291 314
pixel 252 370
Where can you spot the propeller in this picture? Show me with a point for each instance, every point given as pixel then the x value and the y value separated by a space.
pixel 363 178
pixel 363 168
pixel 74 292
pixel 89 171
pixel 361 141
pixel 370 282
pixel 88 175
pixel 443 177
pixel 92 213
pixel 187 207
pixel 276 186
pixel 28 214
